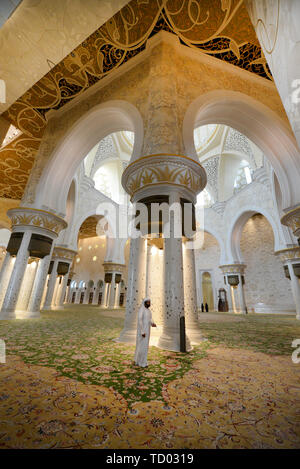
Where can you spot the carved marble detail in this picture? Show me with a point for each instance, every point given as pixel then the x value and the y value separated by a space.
pixel 292 220
pixel 233 268
pixel 37 218
pixel 164 169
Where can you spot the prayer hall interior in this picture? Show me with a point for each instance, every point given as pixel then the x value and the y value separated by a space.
pixel 107 109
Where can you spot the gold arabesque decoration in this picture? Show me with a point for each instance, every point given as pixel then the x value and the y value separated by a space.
pixel 221 28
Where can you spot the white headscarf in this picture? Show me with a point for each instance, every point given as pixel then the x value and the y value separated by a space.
pixel 145 299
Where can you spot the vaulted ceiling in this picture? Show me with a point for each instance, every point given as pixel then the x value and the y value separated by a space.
pixel 221 28
pixel 89 228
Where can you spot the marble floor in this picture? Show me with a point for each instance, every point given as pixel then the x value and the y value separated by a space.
pixel 67 384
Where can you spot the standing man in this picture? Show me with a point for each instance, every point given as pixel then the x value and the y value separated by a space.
pixel 143 333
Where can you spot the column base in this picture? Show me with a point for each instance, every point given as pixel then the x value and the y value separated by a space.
pixel 195 336
pixel 7 315
pixel 128 335
pixel 170 340
pixel 28 314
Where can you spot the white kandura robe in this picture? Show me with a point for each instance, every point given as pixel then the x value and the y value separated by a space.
pixel 142 343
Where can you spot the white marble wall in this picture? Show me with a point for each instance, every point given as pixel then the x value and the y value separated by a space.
pixel 264 275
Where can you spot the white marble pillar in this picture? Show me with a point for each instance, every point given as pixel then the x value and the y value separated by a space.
pixel 86 296
pixel 63 290
pixel 35 301
pixel 5 275
pixel 295 288
pixel 26 289
pixel 155 284
pixel 242 301
pixel 233 297
pixel 77 296
pixel 174 289
pixel 95 296
pixel 51 286
pixel 16 278
pixel 136 287
pixel 229 296
pixel 104 295
pixel 68 291
pixel 190 296
pixel 117 296
pixel 112 292
pixel 56 292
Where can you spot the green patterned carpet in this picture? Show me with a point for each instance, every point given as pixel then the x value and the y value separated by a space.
pixel 79 344
pixel 68 384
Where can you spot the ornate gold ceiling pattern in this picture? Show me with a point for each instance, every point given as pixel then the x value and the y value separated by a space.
pixel 16 161
pixel 88 228
pixel 221 28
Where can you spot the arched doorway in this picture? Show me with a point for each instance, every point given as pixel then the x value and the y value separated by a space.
pixel 207 291
pixel 266 287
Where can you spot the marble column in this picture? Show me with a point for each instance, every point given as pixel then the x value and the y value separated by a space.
pixel 51 286
pixel 96 296
pixel 5 275
pixel 105 295
pixel 229 295
pixel 174 289
pixel 190 296
pixel 56 292
pixel 295 289
pixel 63 290
pixel 35 301
pixel 112 292
pixel 16 278
pixel 242 300
pixel 136 289
pixel 26 289
pixel 155 284
pixel 289 257
pixel 86 296
pixel 77 296
pixel 117 296
pixel 236 270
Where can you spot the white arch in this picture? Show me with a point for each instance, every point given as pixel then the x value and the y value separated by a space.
pixel 100 121
pixel 236 227
pixel 210 230
pixel 4 237
pixel 259 123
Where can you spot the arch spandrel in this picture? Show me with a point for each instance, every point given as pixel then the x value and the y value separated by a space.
pixel 257 122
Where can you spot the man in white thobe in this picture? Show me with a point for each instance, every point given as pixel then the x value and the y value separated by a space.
pixel 144 324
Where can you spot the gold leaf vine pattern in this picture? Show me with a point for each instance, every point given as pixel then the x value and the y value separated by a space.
pixel 220 28
pixel 160 175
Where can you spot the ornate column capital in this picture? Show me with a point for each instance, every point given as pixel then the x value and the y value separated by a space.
pixel 160 171
pixel 292 220
pixel 41 220
pixel 113 267
pixel 291 254
pixel 64 254
pixel 233 268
